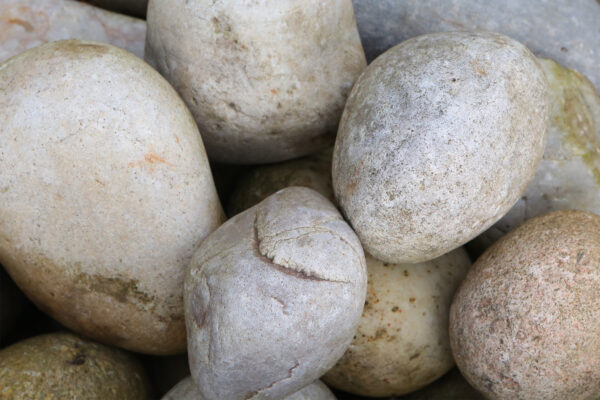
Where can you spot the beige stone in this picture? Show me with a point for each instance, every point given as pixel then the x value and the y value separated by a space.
pixel 439 138
pixel 273 298
pixel 64 366
pixel 259 183
pixel 106 192
pixel 525 322
pixel 25 24
pixel 265 80
pixel 402 343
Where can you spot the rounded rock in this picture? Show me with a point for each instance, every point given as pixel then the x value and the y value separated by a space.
pixel 106 192
pixel 525 323
pixel 402 343
pixel 273 297
pixel 266 81
pixel 64 366
pixel 439 138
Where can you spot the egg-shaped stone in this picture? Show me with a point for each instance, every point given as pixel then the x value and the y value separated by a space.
pixel 439 138
pixel 265 80
pixel 106 192
pixel 273 298
pixel 525 322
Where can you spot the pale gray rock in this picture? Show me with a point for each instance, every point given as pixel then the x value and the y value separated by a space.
pixel 568 177
pixel 106 192
pixel 25 24
pixel 266 81
pixel 273 298
pixel 564 30
pixel 525 322
pixel 401 343
pixel 187 390
pixel 439 138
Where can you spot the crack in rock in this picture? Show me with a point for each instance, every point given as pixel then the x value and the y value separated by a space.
pixel 255 393
pixel 282 268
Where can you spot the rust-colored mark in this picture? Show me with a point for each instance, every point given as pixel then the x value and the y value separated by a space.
pixel 153 158
pixel 26 25
pixel 100 182
pixel 478 68
pixel 177 139
pixel 412 299
pixel 274 91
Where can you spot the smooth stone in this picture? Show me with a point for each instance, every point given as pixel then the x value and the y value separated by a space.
pixel 65 366
pixel 25 24
pixel 564 30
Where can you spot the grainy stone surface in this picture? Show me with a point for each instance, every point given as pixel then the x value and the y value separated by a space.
pixel 273 298
pixel 25 24
pixel 402 344
pixel 266 81
pixel 105 190
pixel 134 7
pixel 564 30
pixel 439 138
pixel 64 366
pixel 313 172
pixel 186 390
pixel 568 177
pixel 525 323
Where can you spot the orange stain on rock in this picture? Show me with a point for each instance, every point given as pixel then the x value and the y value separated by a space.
pixel 26 25
pixel 153 158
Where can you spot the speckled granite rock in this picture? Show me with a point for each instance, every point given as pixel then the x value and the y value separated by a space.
pixel 64 366
pixel 256 185
pixel 564 30
pixel 439 138
pixel 266 80
pixel 28 23
pixel 186 390
pixel 568 177
pixel 134 7
pixel 273 298
pixel 525 322
pixel 402 343
pixel 106 192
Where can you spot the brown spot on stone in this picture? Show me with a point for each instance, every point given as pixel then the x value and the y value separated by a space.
pixel 100 182
pixel 274 91
pixel 412 299
pixel 153 158
pixel 26 25
pixel 79 359
pixel 121 290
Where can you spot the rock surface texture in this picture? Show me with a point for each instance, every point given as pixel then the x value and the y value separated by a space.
pixel 525 323
pixel 25 24
pixel 402 343
pixel 568 177
pixel 564 30
pixel 64 366
pixel 106 192
pixel 439 138
pixel 266 81
pixel 273 298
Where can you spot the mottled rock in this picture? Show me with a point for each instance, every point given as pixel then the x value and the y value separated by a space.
pixel 106 192
pixel 273 298
pixel 64 366
pixel 186 390
pixel 402 343
pixel 564 30
pixel 525 323
pixel 439 138
pixel 259 183
pixel 568 177
pixel 25 24
pixel 266 81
